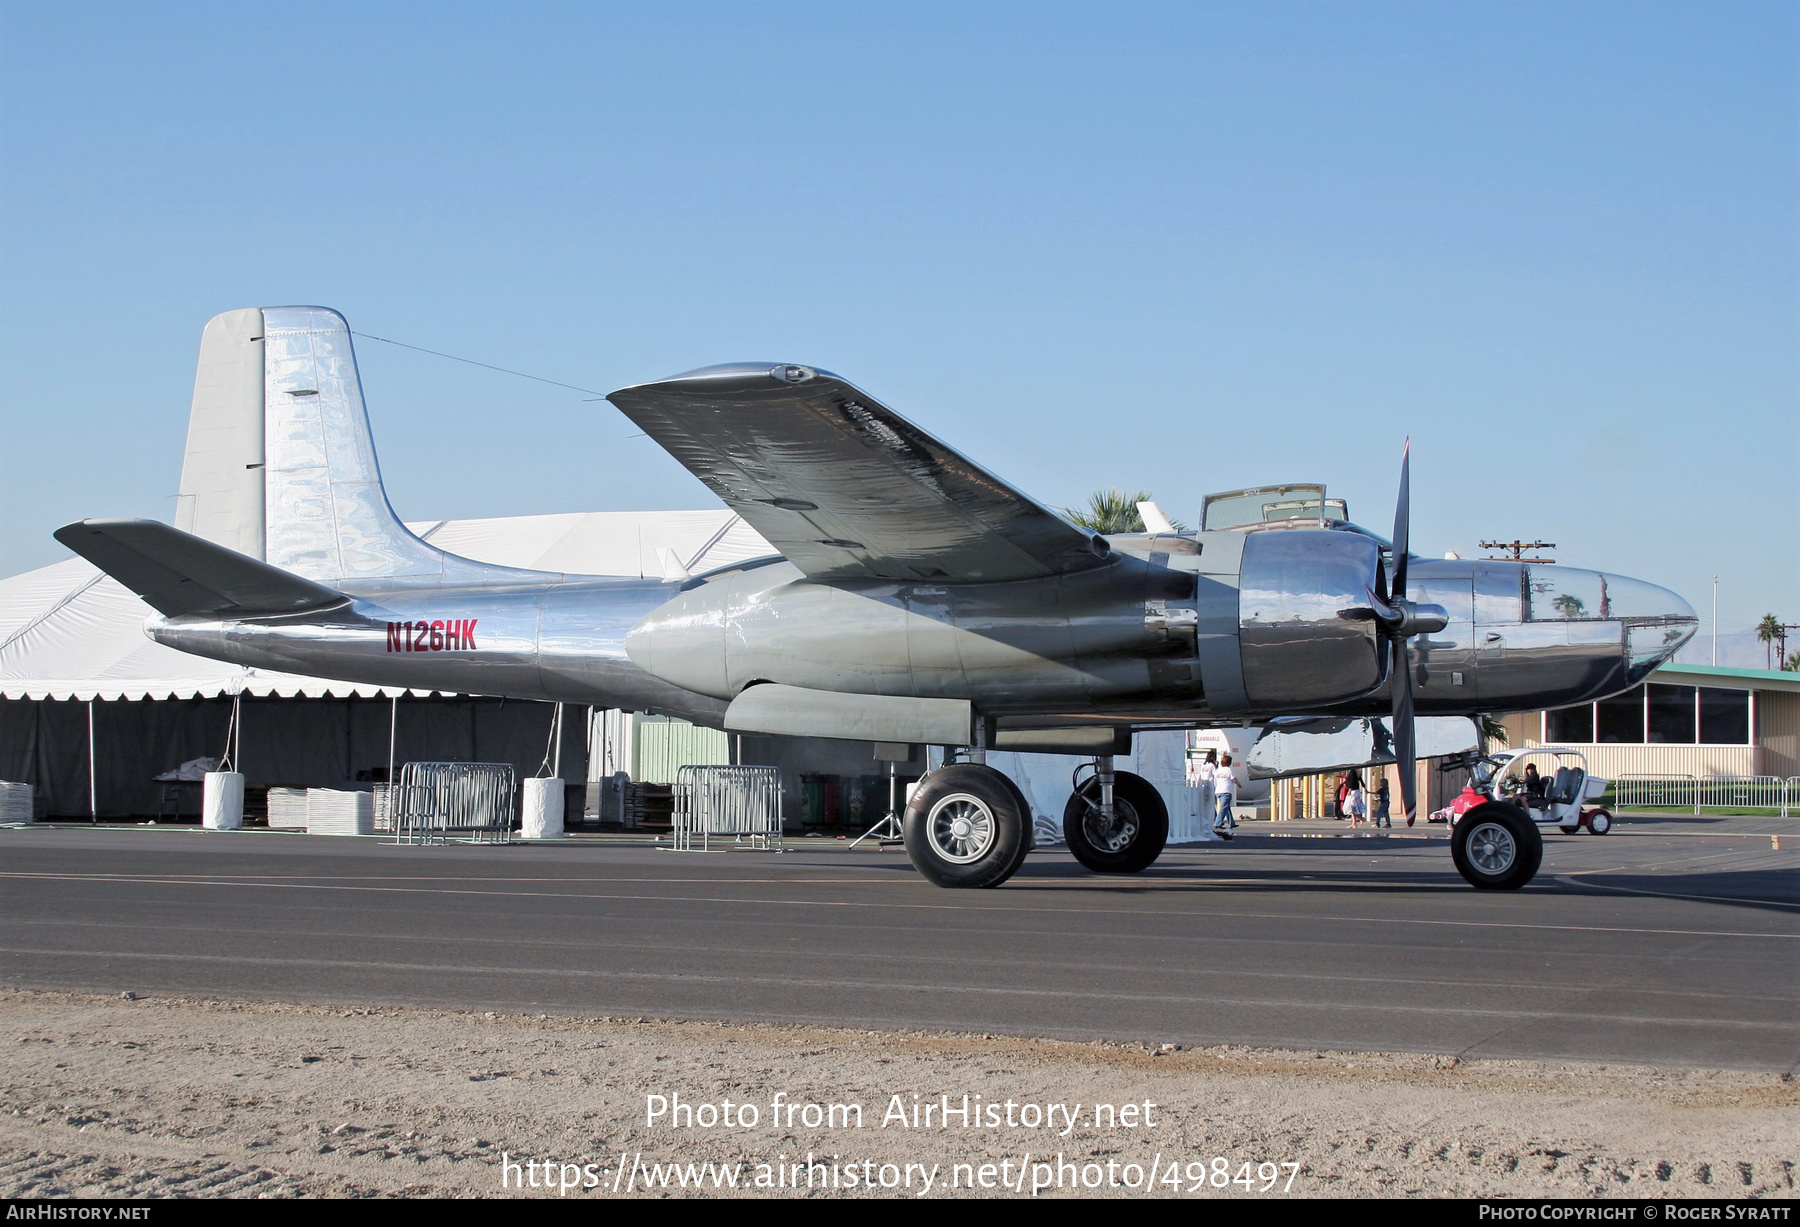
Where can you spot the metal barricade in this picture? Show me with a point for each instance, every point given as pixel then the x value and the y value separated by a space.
pixel 1655 792
pixel 742 802
pixel 475 801
pixel 1731 793
pixel 1741 792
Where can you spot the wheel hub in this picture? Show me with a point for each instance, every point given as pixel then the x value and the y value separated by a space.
pixel 1492 848
pixel 1115 835
pixel 961 828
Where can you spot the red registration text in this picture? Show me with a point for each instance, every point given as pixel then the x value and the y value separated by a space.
pixel 456 635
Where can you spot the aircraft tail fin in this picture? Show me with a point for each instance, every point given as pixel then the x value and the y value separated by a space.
pixel 280 462
pixel 327 516
pixel 178 573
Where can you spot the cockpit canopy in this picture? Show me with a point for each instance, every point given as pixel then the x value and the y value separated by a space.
pixel 1267 505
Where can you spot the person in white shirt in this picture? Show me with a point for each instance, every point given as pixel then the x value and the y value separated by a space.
pixel 1225 785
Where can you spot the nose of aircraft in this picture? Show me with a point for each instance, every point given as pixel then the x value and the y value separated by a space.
pixel 1657 622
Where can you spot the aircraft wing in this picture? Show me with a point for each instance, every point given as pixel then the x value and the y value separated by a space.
pixel 845 487
pixel 178 573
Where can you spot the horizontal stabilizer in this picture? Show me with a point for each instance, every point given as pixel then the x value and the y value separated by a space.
pixel 178 573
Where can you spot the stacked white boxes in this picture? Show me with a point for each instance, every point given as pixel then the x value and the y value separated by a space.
pixel 287 809
pixel 331 812
pixel 15 802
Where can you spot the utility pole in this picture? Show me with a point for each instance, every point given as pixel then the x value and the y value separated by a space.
pixel 1715 622
pixel 1781 630
pixel 1515 550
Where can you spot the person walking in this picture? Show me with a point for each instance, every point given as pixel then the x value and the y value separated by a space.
pixel 1381 803
pixel 1225 786
pixel 1353 789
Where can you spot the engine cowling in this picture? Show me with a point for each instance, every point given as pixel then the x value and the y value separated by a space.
pixel 1305 636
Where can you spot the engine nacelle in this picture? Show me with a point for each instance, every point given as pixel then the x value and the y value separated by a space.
pixel 1304 634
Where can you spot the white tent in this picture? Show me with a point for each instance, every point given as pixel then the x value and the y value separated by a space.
pixel 69 632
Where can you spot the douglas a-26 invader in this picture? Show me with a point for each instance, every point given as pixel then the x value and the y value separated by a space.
pixel 917 598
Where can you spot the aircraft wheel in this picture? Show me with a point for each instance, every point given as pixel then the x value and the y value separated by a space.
pixel 1135 837
pixel 1600 822
pixel 1496 847
pixel 965 827
pixel 1030 835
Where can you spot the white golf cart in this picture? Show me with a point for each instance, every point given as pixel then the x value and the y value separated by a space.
pixel 1567 785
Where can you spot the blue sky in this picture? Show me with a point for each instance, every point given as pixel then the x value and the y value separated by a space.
pixel 1189 247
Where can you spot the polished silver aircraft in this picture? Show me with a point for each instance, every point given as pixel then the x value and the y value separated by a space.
pixel 917 598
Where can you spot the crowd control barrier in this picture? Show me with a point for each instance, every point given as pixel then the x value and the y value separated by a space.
pixel 1732 793
pixel 471 801
pixel 742 802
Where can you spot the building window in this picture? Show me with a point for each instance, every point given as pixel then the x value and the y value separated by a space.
pixel 1671 719
pixel 1724 717
pixel 1571 724
pixel 1620 719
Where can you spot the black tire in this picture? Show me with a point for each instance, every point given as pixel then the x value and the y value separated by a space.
pixel 1497 847
pixel 1600 822
pixel 985 802
pixel 1141 826
pixel 1030 836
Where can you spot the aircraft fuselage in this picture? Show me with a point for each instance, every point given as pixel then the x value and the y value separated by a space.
pixel 1169 630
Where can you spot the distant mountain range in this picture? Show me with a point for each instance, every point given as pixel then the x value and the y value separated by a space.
pixel 1737 650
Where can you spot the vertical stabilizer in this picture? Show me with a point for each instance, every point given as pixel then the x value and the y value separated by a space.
pixel 327 517
pixel 221 495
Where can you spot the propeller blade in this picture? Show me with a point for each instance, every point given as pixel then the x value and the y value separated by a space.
pixel 1405 744
pixel 1402 521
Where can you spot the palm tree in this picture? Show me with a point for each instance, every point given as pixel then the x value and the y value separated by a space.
pixel 1569 606
pixel 1111 511
pixel 1768 630
pixel 1792 663
pixel 1493 733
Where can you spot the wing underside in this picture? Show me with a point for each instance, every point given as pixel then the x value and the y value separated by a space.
pixel 845 487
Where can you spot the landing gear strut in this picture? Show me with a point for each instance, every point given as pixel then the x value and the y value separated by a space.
pixel 1115 822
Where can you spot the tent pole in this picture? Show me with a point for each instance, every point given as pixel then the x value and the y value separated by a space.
pixel 393 819
pixel 93 780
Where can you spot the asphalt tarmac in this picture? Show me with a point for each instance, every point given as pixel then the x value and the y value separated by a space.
pixel 1672 941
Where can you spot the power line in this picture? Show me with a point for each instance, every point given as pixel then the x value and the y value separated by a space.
pixel 1514 550
pixel 488 365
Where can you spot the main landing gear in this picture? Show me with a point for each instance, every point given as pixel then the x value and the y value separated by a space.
pixel 1115 822
pixel 967 825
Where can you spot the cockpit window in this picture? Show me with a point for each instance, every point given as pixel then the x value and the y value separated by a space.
pixel 1270 505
